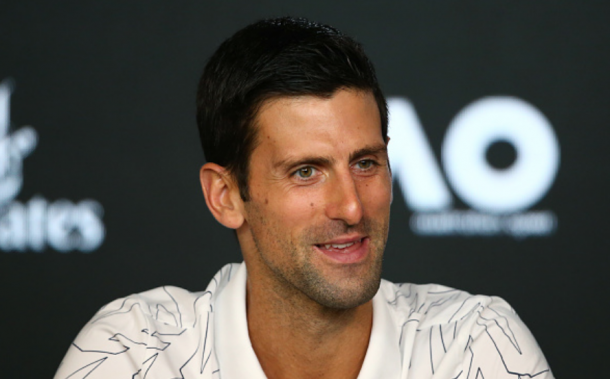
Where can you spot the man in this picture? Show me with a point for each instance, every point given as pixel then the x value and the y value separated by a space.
pixel 294 128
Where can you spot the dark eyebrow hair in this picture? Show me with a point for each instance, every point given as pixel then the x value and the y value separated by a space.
pixel 313 160
pixel 369 150
pixel 288 163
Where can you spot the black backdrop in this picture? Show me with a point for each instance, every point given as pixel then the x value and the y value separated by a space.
pixel 108 89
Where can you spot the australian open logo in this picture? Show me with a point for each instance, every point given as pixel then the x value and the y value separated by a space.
pixel 499 197
pixel 38 224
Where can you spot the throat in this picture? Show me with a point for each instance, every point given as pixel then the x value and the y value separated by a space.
pixel 306 343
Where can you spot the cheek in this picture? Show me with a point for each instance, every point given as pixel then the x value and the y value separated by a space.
pixel 376 196
pixel 292 210
pixel 301 207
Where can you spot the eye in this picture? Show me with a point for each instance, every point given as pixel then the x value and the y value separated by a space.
pixel 365 164
pixel 305 172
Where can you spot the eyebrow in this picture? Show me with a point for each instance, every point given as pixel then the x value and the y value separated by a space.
pixel 289 163
pixel 368 150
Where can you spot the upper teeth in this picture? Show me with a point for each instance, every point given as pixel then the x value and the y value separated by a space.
pixel 338 245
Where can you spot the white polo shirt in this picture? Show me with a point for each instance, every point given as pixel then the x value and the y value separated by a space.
pixel 382 358
pixel 419 332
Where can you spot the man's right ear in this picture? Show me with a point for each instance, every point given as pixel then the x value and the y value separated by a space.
pixel 222 195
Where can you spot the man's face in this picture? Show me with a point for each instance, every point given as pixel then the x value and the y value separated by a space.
pixel 320 189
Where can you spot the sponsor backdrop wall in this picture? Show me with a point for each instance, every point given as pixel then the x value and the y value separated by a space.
pixel 499 127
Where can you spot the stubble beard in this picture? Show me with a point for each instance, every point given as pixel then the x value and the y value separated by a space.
pixel 304 277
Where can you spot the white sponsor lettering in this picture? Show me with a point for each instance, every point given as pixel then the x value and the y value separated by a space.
pixel 496 195
pixel 61 225
pixel 472 223
pixel 490 120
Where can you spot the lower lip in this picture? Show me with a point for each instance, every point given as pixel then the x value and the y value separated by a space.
pixel 352 254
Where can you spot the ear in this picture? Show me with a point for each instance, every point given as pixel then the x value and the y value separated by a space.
pixel 221 195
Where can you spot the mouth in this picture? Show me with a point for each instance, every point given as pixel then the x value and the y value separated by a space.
pixel 345 250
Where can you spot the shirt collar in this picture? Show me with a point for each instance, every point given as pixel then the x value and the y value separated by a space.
pixel 382 359
pixel 236 356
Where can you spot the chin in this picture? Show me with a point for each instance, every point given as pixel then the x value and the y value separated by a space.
pixel 345 295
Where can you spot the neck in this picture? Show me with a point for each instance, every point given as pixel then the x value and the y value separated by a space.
pixel 295 337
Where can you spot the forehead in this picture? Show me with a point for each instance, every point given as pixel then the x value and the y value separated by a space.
pixel 309 124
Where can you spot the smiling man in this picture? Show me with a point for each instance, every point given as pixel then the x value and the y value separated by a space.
pixel 294 128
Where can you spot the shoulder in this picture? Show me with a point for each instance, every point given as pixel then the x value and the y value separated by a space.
pixel 129 334
pixel 440 304
pixel 453 330
pixel 166 307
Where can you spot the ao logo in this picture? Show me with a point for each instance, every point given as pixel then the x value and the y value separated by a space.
pixel 61 225
pixel 496 194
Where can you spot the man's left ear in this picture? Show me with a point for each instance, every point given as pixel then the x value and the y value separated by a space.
pixel 221 195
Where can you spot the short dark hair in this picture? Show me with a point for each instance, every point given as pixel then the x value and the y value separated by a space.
pixel 272 58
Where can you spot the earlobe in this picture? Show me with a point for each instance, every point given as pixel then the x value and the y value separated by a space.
pixel 221 195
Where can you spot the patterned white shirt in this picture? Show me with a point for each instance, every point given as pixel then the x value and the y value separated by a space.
pixel 419 332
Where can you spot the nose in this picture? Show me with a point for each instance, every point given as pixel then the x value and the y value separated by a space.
pixel 344 200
